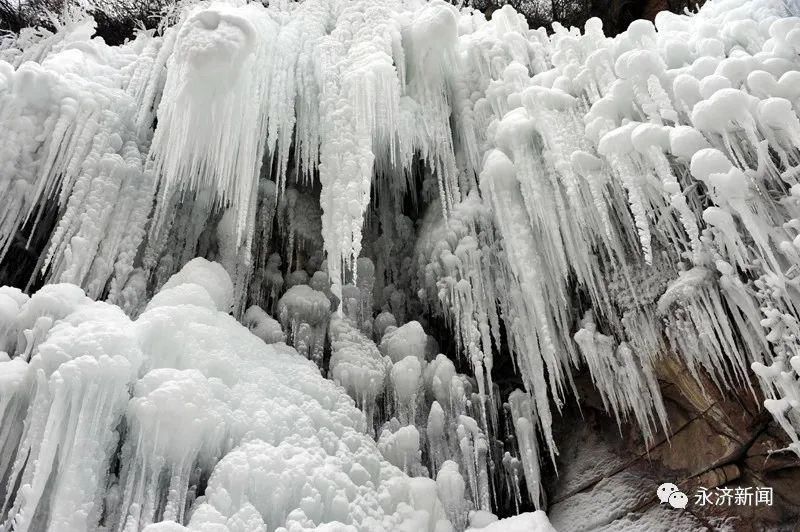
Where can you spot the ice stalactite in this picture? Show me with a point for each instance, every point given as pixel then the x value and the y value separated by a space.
pixel 12 300
pixel 400 445
pixel 435 430
pixel 210 75
pixel 463 288
pixel 365 273
pixel 519 404
pixel 626 380
pixel 302 224
pixel 435 415
pixel 77 383
pixel 541 347
pixel 408 340
pixel 260 290
pixel 357 299
pixel 779 377
pixel 450 485
pixel 77 145
pixel 430 44
pixel 696 328
pixel 175 430
pixel 406 377
pixel 356 105
pixel 654 137
pixel 13 408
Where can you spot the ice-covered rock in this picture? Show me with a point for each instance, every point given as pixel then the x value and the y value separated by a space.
pixel 278 444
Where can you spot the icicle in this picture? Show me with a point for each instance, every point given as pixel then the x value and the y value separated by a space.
pixel 698 328
pixel 80 379
pixel 524 426
pixel 626 383
pixel 499 182
pixel 15 386
pixel 158 447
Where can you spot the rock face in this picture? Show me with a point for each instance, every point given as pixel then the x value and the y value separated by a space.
pixel 607 477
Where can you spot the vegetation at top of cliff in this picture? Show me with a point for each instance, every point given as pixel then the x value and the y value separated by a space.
pixel 117 20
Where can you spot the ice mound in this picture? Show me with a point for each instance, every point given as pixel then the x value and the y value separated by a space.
pixel 409 340
pixel 211 276
pixel 304 313
pixel 357 365
pixel 278 445
pixel 528 522
pixel 263 325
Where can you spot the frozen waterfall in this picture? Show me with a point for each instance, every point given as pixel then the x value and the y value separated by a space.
pixel 346 178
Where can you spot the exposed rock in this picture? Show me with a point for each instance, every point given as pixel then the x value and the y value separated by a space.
pixel 607 478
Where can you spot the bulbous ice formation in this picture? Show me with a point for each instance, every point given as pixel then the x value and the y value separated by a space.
pixel 263 325
pixel 304 314
pixel 408 340
pixel 357 365
pixel 279 445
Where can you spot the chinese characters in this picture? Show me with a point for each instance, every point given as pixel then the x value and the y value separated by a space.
pixel 739 496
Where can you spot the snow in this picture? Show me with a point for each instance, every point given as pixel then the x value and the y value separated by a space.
pixel 350 178
pixel 527 522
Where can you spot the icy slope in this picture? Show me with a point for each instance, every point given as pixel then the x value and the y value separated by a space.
pixel 188 397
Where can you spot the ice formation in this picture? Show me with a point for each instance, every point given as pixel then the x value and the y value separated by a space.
pixel 535 521
pixel 202 402
pixel 362 175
